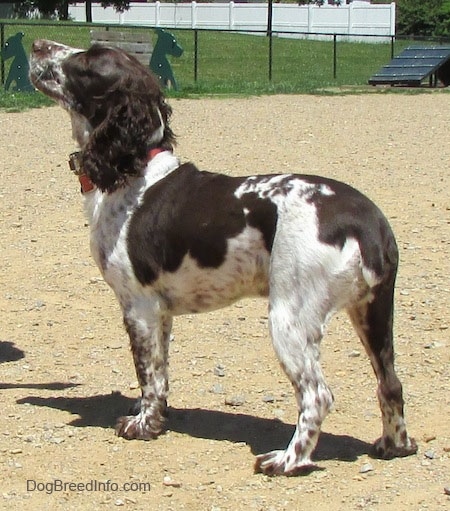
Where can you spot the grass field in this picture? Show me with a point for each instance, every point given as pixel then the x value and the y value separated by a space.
pixel 231 63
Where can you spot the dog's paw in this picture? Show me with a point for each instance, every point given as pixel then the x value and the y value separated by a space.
pixel 136 408
pixel 139 427
pixel 277 463
pixel 385 449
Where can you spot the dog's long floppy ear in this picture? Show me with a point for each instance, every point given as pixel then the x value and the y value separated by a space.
pixel 129 118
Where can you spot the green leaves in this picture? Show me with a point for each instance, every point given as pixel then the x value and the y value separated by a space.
pixel 419 18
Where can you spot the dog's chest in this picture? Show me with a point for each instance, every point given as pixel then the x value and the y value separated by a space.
pixel 108 219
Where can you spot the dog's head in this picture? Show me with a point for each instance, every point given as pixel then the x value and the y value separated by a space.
pixel 117 107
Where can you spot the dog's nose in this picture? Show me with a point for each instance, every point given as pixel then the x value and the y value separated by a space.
pixel 39 45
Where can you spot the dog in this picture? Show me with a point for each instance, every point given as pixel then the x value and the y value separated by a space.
pixel 171 239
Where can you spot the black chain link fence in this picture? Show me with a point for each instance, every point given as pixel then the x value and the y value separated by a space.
pixel 215 60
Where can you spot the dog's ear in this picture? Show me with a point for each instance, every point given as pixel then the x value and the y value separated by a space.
pixel 131 118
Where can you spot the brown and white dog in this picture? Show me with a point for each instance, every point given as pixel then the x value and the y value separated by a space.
pixel 171 239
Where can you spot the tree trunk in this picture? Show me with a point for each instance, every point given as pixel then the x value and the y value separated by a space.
pixel 64 10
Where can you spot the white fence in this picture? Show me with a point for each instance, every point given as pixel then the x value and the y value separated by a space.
pixel 356 18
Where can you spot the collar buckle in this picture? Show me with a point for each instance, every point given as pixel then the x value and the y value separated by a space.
pixel 75 163
pixel 75 166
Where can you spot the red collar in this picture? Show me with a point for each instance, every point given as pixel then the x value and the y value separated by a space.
pixel 153 152
pixel 86 184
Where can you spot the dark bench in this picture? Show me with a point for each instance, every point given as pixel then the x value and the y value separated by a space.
pixel 138 45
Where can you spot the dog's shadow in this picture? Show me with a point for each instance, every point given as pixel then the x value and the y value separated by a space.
pixel 260 434
pixel 9 352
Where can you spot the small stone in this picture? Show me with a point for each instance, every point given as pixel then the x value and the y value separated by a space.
pixel 119 502
pixel 429 454
pixel 447 490
pixel 235 400
pixel 367 467
pixel 354 354
pixel 219 370
pixel 217 388
pixel 268 399
pixel 429 438
pixel 168 481
pixel 15 451
pixel 56 440
pixel 279 413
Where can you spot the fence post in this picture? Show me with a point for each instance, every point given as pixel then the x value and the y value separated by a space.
pixel 270 34
pixel 2 44
pixel 231 15
pixel 193 14
pixel 310 18
pixel 270 55
pixel 195 55
pixel 392 20
pixel 350 18
pixel 157 13
pixel 334 56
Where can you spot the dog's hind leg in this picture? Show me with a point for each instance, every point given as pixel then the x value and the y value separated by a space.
pixel 373 321
pixel 296 333
pixel 149 331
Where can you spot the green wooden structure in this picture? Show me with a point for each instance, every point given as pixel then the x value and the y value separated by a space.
pixel 166 44
pixel 19 68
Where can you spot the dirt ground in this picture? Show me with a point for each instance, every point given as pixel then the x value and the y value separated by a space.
pixel 66 372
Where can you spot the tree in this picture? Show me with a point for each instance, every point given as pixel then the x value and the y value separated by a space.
pixel 430 18
pixel 119 5
pixel 443 20
pixel 60 8
pixel 318 2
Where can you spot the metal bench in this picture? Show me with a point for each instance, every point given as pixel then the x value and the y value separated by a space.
pixel 414 65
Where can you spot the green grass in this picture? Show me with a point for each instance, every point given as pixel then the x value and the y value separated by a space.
pixel 238 63
pixel 231 63
pixel 20 101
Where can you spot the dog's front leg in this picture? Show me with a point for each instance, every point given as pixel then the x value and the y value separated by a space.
pixel 148 327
